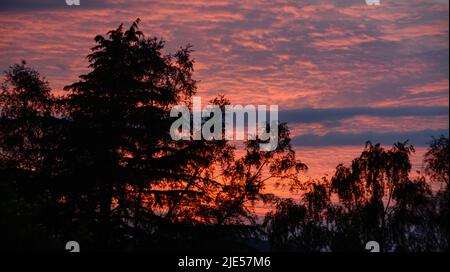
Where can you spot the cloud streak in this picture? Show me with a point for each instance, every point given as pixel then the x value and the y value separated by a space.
pixel 337 114
pixel 417 138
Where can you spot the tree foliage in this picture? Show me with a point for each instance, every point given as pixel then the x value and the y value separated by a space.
pixel 376 199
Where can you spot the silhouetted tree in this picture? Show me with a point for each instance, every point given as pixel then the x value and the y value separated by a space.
pixel 103 162
pixel 437 160
pixel 377 201
pixel 437 168
pixel 27 153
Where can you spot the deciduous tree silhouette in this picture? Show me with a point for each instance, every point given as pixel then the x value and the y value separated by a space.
pixel 378 200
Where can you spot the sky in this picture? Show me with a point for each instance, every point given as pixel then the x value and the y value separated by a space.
pixel 341 72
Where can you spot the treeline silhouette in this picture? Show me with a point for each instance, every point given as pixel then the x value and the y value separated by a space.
pixel 98 166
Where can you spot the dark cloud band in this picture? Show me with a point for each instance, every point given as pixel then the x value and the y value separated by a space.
pixel 417 138
pixel 335 114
